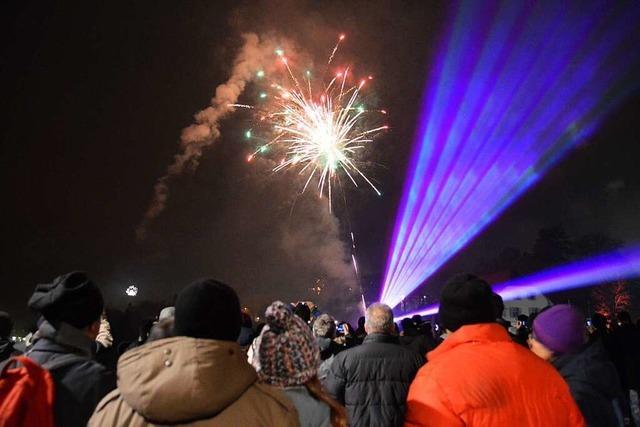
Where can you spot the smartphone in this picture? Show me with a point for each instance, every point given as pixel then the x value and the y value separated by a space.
pixel 340 328
pixel 589 322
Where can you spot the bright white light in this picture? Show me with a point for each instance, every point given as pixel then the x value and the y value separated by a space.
pixel 132 291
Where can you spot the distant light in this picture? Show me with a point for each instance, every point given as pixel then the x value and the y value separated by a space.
pixel 260 74
pixel 263 95
pixel 248 134
pixel 279 52
pixel 263 149
pixel 132 291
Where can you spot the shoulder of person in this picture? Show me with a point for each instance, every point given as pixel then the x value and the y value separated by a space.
pixel 111 398
pixel 273 394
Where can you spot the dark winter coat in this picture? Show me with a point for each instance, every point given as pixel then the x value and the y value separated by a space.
pixel 7 350
pixel 372 380
pixel 80 385
pixel 625 354
pixel 593 382
pixel 420 343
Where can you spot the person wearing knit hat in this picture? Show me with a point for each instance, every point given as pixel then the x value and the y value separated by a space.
pixel 466 300
pixel 478 376
pixel 558 335
pixel 287 356
pixel 199 376
pixel 71 306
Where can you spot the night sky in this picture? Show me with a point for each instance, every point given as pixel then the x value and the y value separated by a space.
pixel 94 97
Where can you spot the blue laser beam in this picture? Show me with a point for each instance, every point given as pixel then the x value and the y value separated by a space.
pixel 516 86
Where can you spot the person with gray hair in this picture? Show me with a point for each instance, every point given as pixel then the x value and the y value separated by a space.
pixel 372 380
pixel 324 331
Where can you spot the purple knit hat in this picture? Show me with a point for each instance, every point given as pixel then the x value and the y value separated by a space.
pixel 287 353
pixel 560 329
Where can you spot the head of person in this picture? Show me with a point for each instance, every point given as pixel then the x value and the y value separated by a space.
pixel 166 313
pixel 466 300
pixel 6 325
pixel 287 353
pixel 557 331
pixel 361 321
pixel 324 327
pixel 303 311
pixel 523 321
pixel 246 320
pixel 379 319
pixel 208 309
pixel 408 326
pixel 599 322
pixel 73 299
pixel 498 304
pixel 624 318
pixel 417 319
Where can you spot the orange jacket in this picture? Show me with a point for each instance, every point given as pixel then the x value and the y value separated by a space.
pixel 479 377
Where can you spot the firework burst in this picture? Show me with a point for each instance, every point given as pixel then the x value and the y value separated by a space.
pixel 321 129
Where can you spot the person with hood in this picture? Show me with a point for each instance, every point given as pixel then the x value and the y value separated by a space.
pixel 288 357
pixel 6 345
pixel 71 307
pixel 372 379
pixel 324 330
pixel 198 377
pixel 479 377
pixel 558 336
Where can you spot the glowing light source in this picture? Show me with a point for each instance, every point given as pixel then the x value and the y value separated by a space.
pixel 517 84
pixel 260 74
pixel 621 264
pixel 131 291
pixel 320 127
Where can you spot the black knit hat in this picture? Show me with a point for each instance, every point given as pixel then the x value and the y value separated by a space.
pixel 466 299
pixel 71 298
pixel 208 309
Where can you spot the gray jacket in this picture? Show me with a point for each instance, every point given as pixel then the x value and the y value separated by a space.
pixel 79 385
pixel 312 412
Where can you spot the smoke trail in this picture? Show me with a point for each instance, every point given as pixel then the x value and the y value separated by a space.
pixel 194 139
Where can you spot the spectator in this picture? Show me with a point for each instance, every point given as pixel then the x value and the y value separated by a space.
pixel 6 344
pixel 161 330
pixel 498 304
pixel 558 336
pixel 479 377
pixel 324 330
pixel 303 311
pixel 199 377
pixel 626 358
pixel 372 379
pixel 522 330
pixel 71 307
pixel 246 331
pixel 413 339
pixel 288 357
pixel 360 333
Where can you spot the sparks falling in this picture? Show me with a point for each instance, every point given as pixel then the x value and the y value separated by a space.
pixel 321 132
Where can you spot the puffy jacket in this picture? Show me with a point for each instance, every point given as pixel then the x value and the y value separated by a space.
pixel 372 380
pixel 80 385
pixel 191 381
pixel 479 377
pixel 594 384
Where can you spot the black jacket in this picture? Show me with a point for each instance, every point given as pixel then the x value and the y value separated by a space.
pixel 80 385
pixel 7 350
pixel 593 382
pixel 372 380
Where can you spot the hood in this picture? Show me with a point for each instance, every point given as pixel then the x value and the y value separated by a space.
pixel 181 379
pixel 67 336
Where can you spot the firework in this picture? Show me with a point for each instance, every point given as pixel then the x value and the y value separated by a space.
pixel 319 128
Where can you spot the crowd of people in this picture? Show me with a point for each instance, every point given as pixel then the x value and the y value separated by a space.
pixel 203 362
